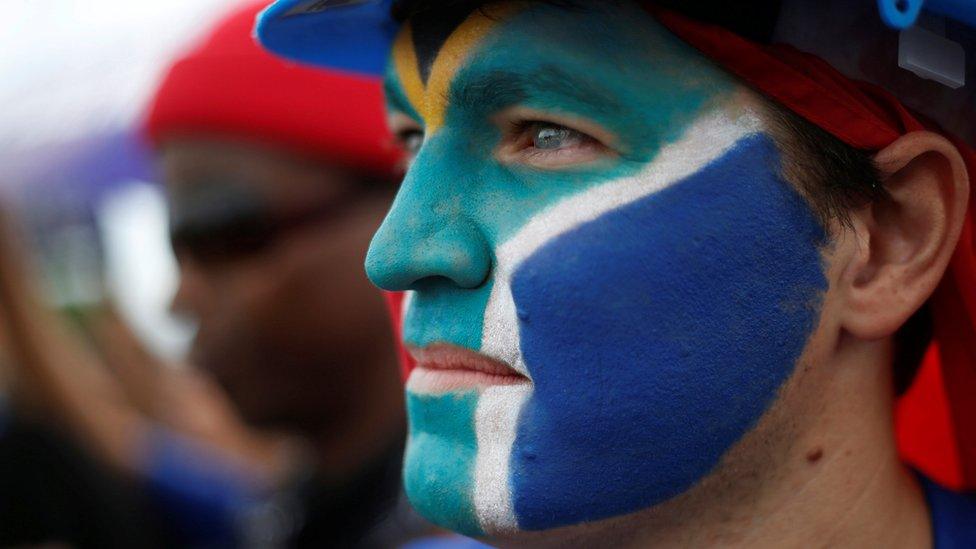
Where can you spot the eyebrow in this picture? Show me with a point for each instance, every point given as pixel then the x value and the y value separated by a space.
pixel 499 89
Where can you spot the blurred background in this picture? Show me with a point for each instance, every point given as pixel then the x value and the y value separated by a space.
pixel 242 390
pixel 76 77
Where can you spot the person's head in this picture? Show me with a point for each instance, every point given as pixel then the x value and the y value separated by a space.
pixel 632 282
pixel 270 246
pixel 277 175
pixel 654 258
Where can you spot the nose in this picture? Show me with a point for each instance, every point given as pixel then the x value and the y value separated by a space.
pixel 415 243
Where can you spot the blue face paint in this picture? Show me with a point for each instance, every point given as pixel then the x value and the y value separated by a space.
pixel 658 334
pixel 657 298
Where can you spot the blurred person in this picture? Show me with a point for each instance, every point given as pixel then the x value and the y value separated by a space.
pixel 277 175
pixel 180 446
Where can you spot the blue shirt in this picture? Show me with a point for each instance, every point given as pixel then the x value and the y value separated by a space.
pixel 953 516
pixel 202 497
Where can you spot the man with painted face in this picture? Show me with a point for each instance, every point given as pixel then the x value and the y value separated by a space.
pixel 662 270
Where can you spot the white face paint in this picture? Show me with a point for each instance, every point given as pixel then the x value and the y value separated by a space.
pixel 576 308
pixel 499 407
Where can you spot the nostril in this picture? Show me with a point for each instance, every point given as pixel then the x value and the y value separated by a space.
pixel 431 283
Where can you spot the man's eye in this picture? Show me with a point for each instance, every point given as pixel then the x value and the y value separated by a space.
pixel 411 140
pixel 552 137
pixel 549 145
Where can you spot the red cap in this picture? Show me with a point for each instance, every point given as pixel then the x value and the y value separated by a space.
pixel 229 87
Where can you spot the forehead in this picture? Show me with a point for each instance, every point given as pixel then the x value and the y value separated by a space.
pixel 599 54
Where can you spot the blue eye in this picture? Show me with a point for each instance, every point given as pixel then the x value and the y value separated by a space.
pixel 545 144
pixel 553 137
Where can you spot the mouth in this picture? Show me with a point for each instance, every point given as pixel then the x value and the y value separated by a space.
pixel 444 368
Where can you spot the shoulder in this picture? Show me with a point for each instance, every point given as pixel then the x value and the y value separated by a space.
pixel 953 516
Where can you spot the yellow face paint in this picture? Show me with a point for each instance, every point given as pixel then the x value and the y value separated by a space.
pixel 408 69
pixel 431 101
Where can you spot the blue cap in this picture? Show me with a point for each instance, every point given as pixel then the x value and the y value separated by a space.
pixel 356 35
pixel 350 35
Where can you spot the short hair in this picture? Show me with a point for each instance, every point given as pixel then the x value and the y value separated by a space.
pixel 838 179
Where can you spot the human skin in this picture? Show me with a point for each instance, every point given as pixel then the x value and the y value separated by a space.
pixel 675 339
pixel 294 333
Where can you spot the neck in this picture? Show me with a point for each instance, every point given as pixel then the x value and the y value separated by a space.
pixel 839 482
pixel 825 474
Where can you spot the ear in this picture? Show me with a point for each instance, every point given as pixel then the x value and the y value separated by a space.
pixel 905 241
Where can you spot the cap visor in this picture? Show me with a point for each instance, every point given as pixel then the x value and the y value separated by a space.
pixel 349 35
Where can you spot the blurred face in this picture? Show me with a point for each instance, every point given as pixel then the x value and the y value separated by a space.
pixel 270 248
pixel 609 281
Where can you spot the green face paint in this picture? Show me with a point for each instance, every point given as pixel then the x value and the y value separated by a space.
pixel 615 68
pixel 437 476
pixel 489 223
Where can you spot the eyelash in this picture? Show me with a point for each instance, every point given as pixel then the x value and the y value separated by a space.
pixel 574 147
pixel 519 144
pixel 525 130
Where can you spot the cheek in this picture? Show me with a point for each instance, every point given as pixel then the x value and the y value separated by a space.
pixel 243 289
pixel 657 335
pixel 438 472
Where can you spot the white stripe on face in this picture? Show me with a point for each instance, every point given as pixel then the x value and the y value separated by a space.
pixel 495 426
pixel 709 138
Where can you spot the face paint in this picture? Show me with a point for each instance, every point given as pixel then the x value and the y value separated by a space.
pixel 656 297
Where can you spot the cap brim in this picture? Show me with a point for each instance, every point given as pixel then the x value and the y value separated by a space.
pixel 349 35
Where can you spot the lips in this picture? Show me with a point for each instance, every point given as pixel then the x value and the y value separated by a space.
pixel 445 368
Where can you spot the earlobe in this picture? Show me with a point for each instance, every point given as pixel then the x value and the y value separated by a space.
pixel 907 238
